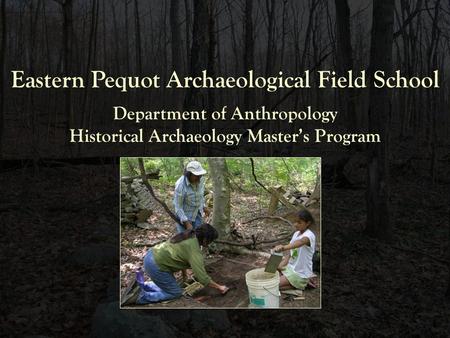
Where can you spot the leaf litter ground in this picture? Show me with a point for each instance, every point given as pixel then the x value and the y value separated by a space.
pixel 223 267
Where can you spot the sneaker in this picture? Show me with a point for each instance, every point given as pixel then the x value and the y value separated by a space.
pixel 131 296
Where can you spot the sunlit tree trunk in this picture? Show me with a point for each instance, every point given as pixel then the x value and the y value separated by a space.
pixel 221 185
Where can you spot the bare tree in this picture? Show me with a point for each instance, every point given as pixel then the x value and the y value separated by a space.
pixel 116 37
pixel 91 52
pixel 432 96
pixel 67 43
pixel 187 9
pixel 175 23
pixel 127 58
pixel 249 47
pixel 2 72
pixel 378 221
pixel 270 52
pixel 195 97
pixel 344 58
pixel 137 25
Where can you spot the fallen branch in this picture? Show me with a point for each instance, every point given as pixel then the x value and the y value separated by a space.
pixel 253 243
pixel 150 189
pixel 136 245
pixel 270 217
pixel 243 251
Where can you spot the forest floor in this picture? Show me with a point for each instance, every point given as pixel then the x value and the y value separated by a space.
pixel 223 267
pixel 230 270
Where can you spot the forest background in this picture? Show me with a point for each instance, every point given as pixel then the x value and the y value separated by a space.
pixel 385 207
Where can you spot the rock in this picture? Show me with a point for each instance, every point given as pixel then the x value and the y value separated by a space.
pixel 143 215
pixel 94 255
pixel 136 205
pixel 147 226
pixel 110 321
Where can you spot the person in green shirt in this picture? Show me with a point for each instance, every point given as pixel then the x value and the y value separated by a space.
pixel 180 252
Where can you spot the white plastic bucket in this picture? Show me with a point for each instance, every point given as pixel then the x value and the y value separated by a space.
pixel 263 288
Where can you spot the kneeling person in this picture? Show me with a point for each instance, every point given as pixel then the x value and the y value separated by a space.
pixel 180 252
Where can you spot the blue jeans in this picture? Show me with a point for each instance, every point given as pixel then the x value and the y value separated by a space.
pixel 164 286
pixel 198 221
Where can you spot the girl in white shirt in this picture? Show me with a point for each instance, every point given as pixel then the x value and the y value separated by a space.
pixel 296 267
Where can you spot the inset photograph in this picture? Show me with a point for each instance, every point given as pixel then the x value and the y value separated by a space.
pixel 220 233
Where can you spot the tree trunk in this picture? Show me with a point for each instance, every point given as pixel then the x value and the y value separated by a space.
pixel 197 98
pixel 377 196
pixel 221 184
pixel 433 96
pixel 177 51
pixel 187 9
pixel 2 73
pixel 138 38
pixel 344 59
pixel 127 35
pixel 270 8
pixel 117 44
pixel 90 56
pixel 249 49
pixel 211 93
pixel 175 24
pixel 67 58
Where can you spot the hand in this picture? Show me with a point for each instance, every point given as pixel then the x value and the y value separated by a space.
pixel 206 211
pixel 281 266
pixel 223 289
pixel 279 248
pixel 187 274
pixel 188 225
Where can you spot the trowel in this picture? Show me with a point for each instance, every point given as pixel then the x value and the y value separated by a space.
pixel 273 262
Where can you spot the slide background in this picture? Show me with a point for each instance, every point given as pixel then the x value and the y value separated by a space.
pixel 59 204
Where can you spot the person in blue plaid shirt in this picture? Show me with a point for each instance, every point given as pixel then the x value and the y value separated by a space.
pixel 189 200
